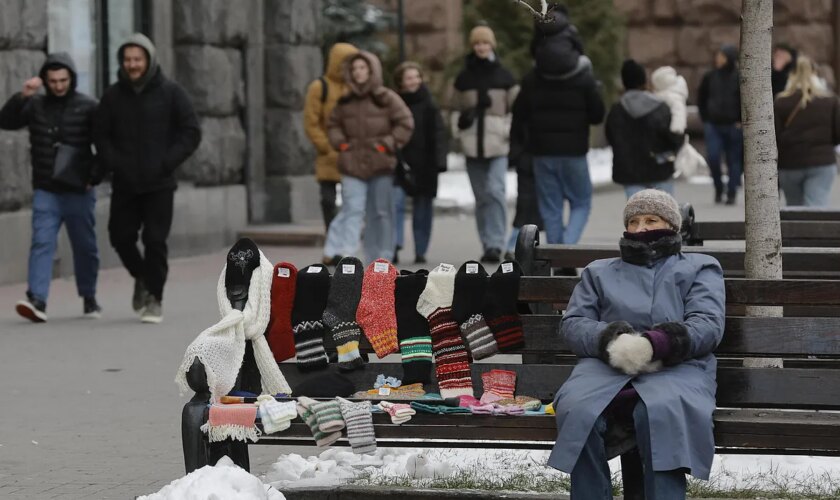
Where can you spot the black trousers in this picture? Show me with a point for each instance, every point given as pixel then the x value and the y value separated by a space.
pixel 328 196
pixel 148 215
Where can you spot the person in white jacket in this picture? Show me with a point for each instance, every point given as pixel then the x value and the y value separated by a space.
pixel 673 89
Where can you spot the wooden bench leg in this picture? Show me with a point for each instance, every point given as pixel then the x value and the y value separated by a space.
pixel 632 475
pixel 192 439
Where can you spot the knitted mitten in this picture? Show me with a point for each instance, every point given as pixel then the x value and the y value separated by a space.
pixel 313 286
pixel 359 426
pixel 500 306
pixel 413 328
pixel 502 383
pixel 328 414
pixel 304 408
pixel 451 358
pixel 400 413
pixel 340 314
pixel 279 335
pixel 376 314
pixel 467 302
pixel 275 416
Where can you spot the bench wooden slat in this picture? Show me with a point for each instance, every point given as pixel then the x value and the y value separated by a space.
pixel 803 230
pixel 809 214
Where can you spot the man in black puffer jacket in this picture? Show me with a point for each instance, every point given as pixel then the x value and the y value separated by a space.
pixel 145 128
pixel 639 130
pixel 59 123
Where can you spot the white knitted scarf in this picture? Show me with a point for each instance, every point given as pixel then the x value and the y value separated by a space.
pixel 221 348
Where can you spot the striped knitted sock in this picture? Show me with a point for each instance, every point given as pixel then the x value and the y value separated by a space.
pixel 376 314
pixel 499 382
pixel 467 303
pixel 309 344
pixel 312 289
pixel 500 309
pixel 328 414
pixel 308 416
pixel 359 422
pixel 340 314
pixel 413 328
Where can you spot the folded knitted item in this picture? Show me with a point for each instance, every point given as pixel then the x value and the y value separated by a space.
pixel 549 409
pixel 328 414
pixel 438 409
pixel 536 412
pixel 490 398
pixel 410 391
pixel 304 409
pixel 237 422
pixel 482 409
pixel 400 413
pixel 462 401
pixel 359 422
pixel 508 410
pixel 275 416
pixel 382 380
pixel 526 402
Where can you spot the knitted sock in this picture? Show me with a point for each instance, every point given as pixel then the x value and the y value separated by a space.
pixel 467 302
pixel 308 416
pixel 313 286
pixel 376 314
pixel 279 335
pixel 500 306
pixel 499 382
pixel 451 358
pixel 413 328
pixel 400 413
pixel 276 416
pixel 328 414
pixel 340 314
pixel 359 426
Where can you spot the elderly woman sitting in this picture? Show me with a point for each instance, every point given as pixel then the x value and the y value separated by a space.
pixel 643 327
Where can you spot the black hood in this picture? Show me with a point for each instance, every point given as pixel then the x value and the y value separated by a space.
pixel 556 20
pixel 731 53
pixel 58 60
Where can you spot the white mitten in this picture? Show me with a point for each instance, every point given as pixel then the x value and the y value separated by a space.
pixel 632 354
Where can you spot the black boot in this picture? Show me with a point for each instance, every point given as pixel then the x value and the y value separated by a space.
pixel 718 195
pixel 731 197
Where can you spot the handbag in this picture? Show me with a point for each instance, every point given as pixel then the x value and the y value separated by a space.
pixel 406 176
pixel 72 166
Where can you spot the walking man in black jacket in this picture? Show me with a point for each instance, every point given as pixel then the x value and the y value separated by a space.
pixel 60 138
pixel 145 128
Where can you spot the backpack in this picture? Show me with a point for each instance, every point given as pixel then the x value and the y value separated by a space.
pixel 324 89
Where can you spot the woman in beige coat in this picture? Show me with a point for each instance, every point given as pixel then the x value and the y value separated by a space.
pixel 367 127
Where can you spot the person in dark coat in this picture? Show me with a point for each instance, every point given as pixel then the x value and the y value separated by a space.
pixel 644 327
pixel 59 121
pixel 784 60
pixel 557 47
pixel 719 103
pixel 555 114
pixel 527 207
pixel 420 161
pixel 807 130
pixel 145 129
pixel 639 130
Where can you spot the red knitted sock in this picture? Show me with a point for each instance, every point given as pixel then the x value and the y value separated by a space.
pixel 376 313
pixel 502 382
pixel 279 333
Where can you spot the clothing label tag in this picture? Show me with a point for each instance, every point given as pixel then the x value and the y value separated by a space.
pixel 348 268
pixel 283 272
pixel 507 267
pixel 380 267
pixel 384 391
pixel 447 268
pixel 313 269
pixel 472 268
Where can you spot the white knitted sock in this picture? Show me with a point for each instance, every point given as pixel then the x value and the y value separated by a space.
pixel 440 287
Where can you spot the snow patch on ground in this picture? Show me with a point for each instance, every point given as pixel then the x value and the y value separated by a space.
pixel 225 481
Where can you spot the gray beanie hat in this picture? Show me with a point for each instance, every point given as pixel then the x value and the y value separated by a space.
pixel 654 202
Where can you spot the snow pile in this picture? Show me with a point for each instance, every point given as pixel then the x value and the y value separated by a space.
pixel 225 481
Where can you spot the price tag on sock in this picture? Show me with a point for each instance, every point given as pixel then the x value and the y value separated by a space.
pixel 384 391
pixel 380 267
pixel 472 268
pixel 283 272
pixel 447 268
pixel 507 267
pixel 313 269
pixel 348 268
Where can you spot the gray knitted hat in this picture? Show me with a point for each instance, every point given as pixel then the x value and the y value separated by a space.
pixel 654 202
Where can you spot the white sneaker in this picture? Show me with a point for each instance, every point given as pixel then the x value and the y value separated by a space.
pixel 153 312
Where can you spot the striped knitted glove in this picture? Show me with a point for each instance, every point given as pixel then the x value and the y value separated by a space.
pixel 359 422
pixel 376 314
pixel 451 358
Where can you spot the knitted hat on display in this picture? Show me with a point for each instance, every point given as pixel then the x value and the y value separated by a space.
pixel 376 314
pixel 467 302
pixel 413 328
pixel 359 422
pixel 340 314
pixel 279 335
pixel 654 202
pixel 500 306
pixel 633 75
pixel 221 348
pixel 313 287
pixel 482 34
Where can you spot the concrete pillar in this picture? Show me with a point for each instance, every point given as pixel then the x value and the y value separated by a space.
pixel 162 34
pixel 255 114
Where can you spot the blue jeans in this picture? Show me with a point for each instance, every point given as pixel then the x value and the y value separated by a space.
pixel 810 187
pixel 364 202
pixel 76 212
pixel 561 178
pixel 667 186
pixel 725 140
pixel 487 178
pixel 421 220
pixel 591 474
pixel 514 235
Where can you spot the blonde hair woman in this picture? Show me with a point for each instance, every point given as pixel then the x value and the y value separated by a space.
pixel 807 129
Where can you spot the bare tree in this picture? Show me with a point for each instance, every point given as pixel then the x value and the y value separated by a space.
pixel 543 8
pixel 763 256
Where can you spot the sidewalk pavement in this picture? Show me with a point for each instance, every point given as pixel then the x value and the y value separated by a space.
pixel 89 407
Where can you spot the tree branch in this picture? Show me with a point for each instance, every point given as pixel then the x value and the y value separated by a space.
pixel 538 15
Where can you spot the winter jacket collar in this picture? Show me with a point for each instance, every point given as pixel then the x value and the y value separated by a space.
pixel 639 103
pixel 420 95
pixel 637 248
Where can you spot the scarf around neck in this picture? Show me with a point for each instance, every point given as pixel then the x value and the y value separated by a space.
pixel 645 248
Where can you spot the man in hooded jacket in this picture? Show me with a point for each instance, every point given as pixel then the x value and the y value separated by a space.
pixel 58 120
pixel 145 128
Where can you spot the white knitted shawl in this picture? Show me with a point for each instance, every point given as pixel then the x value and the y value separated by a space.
pixel 221 348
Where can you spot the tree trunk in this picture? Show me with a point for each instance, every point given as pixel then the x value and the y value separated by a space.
pixel 763 256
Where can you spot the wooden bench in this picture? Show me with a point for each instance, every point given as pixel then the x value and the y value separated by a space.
pixel 801 227
pixel 761 410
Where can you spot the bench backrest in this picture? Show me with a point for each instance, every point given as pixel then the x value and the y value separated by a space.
pixel 794 233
